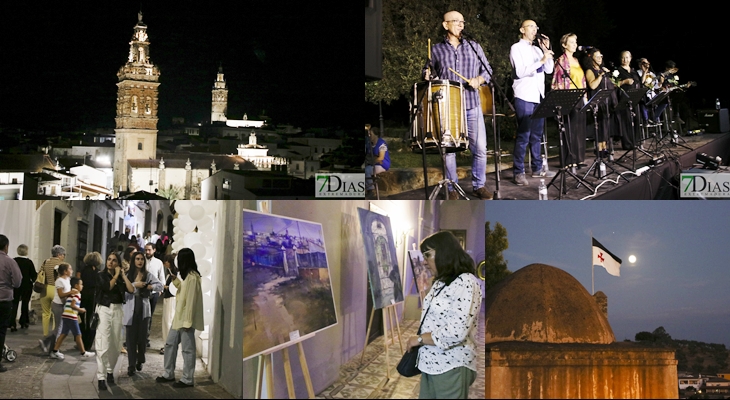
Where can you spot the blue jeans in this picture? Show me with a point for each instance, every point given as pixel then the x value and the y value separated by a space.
pixel 528 131
pixel 186 338
pixel 477 132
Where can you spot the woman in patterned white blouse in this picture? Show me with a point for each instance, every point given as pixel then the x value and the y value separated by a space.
pixel 446 347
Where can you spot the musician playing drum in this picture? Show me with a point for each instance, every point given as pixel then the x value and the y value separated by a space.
pixel 530 63
pixel 455 54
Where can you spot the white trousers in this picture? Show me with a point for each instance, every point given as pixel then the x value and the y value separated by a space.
pixel 108 342
pixel 168 313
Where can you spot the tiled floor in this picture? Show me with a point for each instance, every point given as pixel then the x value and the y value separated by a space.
pixel 369 379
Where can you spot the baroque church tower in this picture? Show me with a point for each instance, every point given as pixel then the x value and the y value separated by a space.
pixel 136 120
pixel 220 98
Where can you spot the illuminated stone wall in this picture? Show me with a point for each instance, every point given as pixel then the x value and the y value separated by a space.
pixel 618 370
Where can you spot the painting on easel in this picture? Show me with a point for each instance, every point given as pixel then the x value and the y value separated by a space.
pixel 383 272
pixel 421 273
pixel 286 282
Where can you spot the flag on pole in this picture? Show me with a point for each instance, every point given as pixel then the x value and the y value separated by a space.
pixel 606 259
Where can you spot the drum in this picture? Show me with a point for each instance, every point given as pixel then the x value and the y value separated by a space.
pixel 485 96
pixel 441 116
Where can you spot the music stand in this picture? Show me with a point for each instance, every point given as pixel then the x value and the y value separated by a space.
pixel 559 103
pixel 653 104
pixel 672 130
pixel 598 97
pixel 633 97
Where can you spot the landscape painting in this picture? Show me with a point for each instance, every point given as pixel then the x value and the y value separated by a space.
pixel 385 283
pixel 421 273
pixel 287 291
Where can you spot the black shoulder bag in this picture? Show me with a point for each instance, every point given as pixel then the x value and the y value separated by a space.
pixel 407 365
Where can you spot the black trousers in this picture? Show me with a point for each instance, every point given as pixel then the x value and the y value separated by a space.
pixel 6 308
pixel 22 299
pixel 137 336
pixel 87 334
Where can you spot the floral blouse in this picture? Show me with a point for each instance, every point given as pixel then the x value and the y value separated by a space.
pixel 452 321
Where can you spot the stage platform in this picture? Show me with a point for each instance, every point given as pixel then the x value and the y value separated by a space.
pixel 658 182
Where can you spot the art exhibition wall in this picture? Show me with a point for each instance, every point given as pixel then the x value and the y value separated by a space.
pixel 329 349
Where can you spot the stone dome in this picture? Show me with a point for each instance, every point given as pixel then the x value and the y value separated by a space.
pixel 540 303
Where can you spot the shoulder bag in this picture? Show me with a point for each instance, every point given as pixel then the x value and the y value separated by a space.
pixel 408 363
pixel 39 286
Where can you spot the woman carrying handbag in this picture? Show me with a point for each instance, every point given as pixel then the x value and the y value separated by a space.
pixel 446 340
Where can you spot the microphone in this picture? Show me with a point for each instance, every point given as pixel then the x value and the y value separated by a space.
pixel 584 48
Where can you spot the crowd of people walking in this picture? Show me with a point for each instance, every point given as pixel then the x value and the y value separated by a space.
pixel 107 298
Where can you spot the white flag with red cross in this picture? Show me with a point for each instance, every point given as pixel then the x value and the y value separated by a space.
pixel 606 259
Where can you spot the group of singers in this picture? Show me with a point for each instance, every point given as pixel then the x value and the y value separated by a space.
pixel 531 59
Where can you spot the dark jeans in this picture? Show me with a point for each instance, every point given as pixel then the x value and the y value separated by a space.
pixel 6 307
pixel 529 132
pixel 153 302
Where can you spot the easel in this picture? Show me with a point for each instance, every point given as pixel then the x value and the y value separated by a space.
pixel 265 365
pixel 421 294
pixel 388 312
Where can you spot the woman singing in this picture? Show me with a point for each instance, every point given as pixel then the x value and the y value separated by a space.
pixel 569 75
pixel 627 79
pixel 597 79
pixel 446 346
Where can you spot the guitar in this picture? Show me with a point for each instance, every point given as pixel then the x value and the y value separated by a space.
pixel 680 87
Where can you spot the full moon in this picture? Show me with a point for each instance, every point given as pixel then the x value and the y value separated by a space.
pixel 632 259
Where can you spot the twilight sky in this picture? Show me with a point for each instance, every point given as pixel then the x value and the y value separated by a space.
pixel 680 278
pixel 291 58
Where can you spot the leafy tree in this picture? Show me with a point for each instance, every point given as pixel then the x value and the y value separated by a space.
pixel 408 24
pixel 495 243
pixel 644 336
pixel 661 335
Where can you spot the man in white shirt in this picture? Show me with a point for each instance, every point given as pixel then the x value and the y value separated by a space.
pixel 155 267
pixel 154 238
pixel 530 63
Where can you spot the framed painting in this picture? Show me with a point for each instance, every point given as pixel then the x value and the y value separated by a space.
pixel 385 282
pixel 421 273
pixel 287 291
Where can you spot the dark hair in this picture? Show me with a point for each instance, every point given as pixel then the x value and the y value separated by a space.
pixel 4 241
pixel 128 255
pixel 186 262
pixel 670 64
pixel 119 261
pixel 170 259
pixel 451 260
pixel 132 273
pixel 62 267
pixel 74 281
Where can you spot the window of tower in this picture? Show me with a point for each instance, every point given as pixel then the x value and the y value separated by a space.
pixel 139 146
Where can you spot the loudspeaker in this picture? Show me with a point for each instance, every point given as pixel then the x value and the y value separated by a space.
pixel 373 40
pixel 714 121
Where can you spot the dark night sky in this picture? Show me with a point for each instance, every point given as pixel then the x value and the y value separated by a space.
pixel 290 58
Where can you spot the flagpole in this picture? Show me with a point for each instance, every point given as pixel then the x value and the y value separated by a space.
pixel 593 289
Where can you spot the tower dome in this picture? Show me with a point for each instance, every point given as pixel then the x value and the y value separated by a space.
pixel 540 303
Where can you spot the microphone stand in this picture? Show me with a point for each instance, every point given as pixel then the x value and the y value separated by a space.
pixel 493 83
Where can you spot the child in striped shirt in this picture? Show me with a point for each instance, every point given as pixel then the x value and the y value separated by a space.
pixel 70 317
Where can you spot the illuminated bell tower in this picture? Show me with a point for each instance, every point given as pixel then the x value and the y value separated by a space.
pixel 220 98
pixel 136 120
